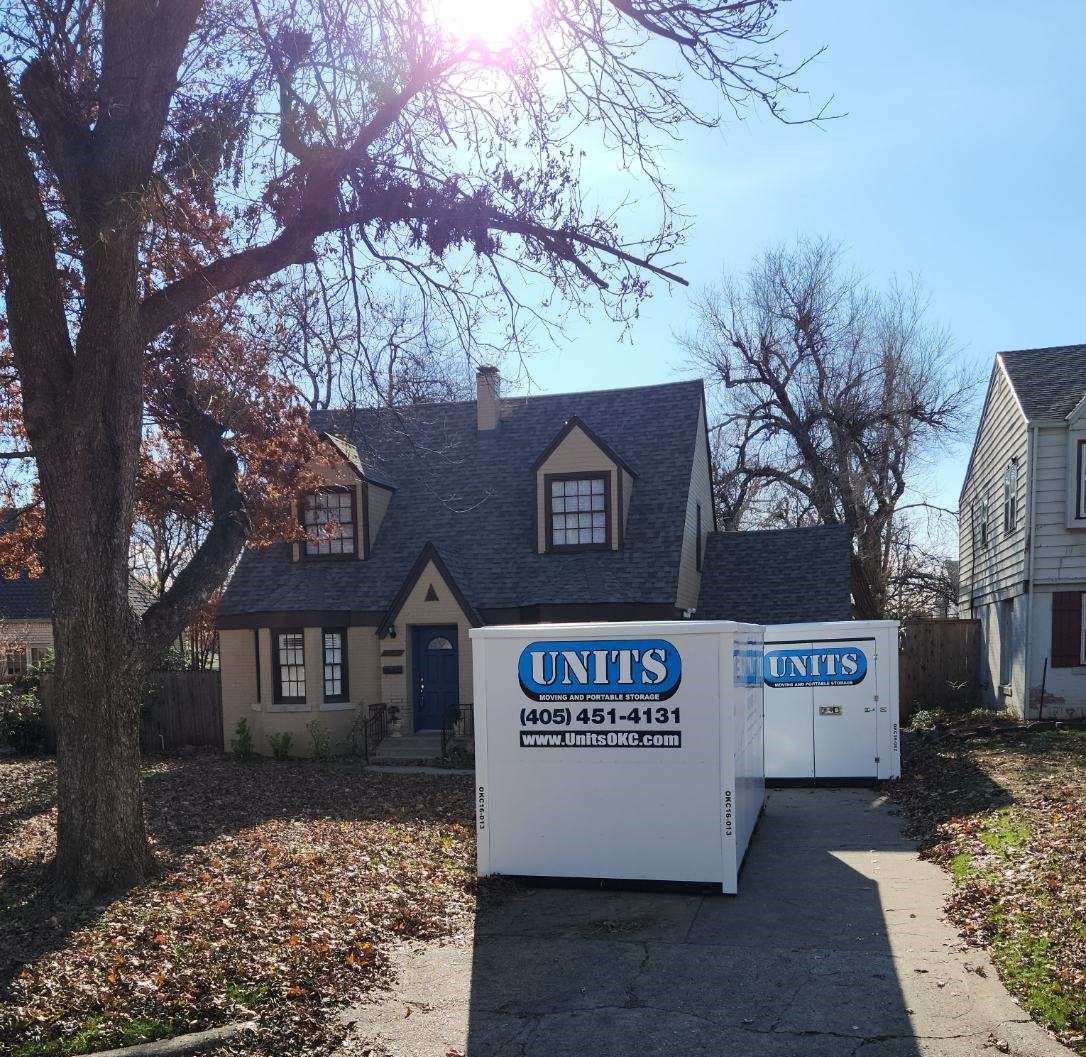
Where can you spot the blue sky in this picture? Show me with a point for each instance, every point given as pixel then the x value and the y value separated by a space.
pixel 961 159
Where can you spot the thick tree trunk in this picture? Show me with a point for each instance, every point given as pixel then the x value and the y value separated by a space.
pixel 102 843
pixel 88 482
pixel 102 840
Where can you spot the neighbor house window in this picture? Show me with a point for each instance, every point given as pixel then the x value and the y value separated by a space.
pixel 14 664
pixel 1080 481
pixel 1068 647
pixel 329 523
pixel 981 518
pixel 289 657
pixel 334 645
pixel 578 511
pixel 1010 496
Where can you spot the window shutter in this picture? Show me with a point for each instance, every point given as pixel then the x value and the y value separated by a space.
pixel 1066 629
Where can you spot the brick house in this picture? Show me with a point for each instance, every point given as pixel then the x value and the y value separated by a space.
pixel 580 506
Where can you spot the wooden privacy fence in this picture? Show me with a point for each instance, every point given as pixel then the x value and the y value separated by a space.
pixel 939 665
pixel 181 708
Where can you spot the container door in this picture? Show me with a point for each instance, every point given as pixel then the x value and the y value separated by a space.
pixel 789 719
pixel 789 732
pixel 846 713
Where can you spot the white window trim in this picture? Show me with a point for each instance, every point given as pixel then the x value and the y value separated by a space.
pixel 1080 478
pixel 1082 632
pixel 1010 497
pixel 1076 478
pixel 982 528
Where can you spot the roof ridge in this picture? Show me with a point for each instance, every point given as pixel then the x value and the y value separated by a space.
pixel 789 528
pixel 1043 348
pixel 513 397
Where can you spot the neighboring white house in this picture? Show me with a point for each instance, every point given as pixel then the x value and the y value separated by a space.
pixel 1023 532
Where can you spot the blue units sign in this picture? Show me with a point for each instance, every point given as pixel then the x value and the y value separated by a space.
pixel 600 670
pixel 821 666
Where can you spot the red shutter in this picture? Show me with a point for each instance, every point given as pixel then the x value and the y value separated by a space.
pixel 1066 629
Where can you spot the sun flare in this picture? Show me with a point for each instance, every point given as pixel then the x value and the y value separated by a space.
pixel 495 23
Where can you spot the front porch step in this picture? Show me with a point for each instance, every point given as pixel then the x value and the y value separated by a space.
pixel 421 748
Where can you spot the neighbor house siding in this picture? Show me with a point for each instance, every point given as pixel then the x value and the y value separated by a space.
pixel 999 569
pixel 37 634
pixel 578 453
pixel 1059 552
pixel 700 493
pixel 1064 688
pixel 1004 628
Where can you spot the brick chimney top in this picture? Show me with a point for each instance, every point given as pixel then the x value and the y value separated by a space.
pixel 487 397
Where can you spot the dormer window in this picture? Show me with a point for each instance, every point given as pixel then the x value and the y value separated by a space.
pixel 329 522
pixel 578 511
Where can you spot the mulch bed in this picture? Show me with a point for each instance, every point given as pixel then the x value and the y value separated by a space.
pixel 1004 810
pixel 284 886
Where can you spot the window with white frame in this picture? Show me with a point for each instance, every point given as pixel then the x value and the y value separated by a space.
pixel 328 521
pixel 1010 496
pixel 289 666
pixel 1080 480
pixel 14 664
pixel 578 511
pixel 334 645
pixel 980 522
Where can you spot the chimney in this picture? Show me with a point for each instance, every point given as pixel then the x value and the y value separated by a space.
pixel 487 396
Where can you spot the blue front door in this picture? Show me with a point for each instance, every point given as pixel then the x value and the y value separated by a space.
pixel 436 670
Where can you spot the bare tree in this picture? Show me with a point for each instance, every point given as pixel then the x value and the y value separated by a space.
pixel 835 396
pixel 156 156
pixel 391 351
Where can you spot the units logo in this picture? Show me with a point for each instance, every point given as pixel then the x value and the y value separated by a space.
pixel 823 666
pixel 608 670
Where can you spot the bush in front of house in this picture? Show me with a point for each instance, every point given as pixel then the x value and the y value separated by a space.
pixel 241 744
pixel 281 744
pixel 322 741
pixel 23 727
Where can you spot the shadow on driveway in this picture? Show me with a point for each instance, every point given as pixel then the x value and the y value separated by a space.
pixel 834 946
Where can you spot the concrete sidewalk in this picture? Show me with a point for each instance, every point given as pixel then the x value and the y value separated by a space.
pixel 835 946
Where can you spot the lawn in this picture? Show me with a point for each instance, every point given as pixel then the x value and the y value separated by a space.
pixel 284 886
pixel 1005 813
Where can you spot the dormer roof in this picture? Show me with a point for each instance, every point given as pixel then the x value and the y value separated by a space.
pixel 472 494
pixel 576 422
pixel 363 466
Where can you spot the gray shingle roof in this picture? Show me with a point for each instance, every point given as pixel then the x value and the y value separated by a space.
pixel 784 576
pixel 23 598
pixel 472 494
pixel 1048 382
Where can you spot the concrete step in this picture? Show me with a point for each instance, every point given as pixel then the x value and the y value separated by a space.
pixel 412 749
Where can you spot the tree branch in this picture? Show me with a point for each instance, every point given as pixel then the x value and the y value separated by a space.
pixel 35 300
pixel 64 136
pixel 230 525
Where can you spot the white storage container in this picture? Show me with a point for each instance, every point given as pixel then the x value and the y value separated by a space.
pixel 831 700
pixel 618 750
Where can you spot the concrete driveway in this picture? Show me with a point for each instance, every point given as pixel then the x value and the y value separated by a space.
pixel 835 946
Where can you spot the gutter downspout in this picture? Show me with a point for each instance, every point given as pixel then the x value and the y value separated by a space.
pixel 1034 444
